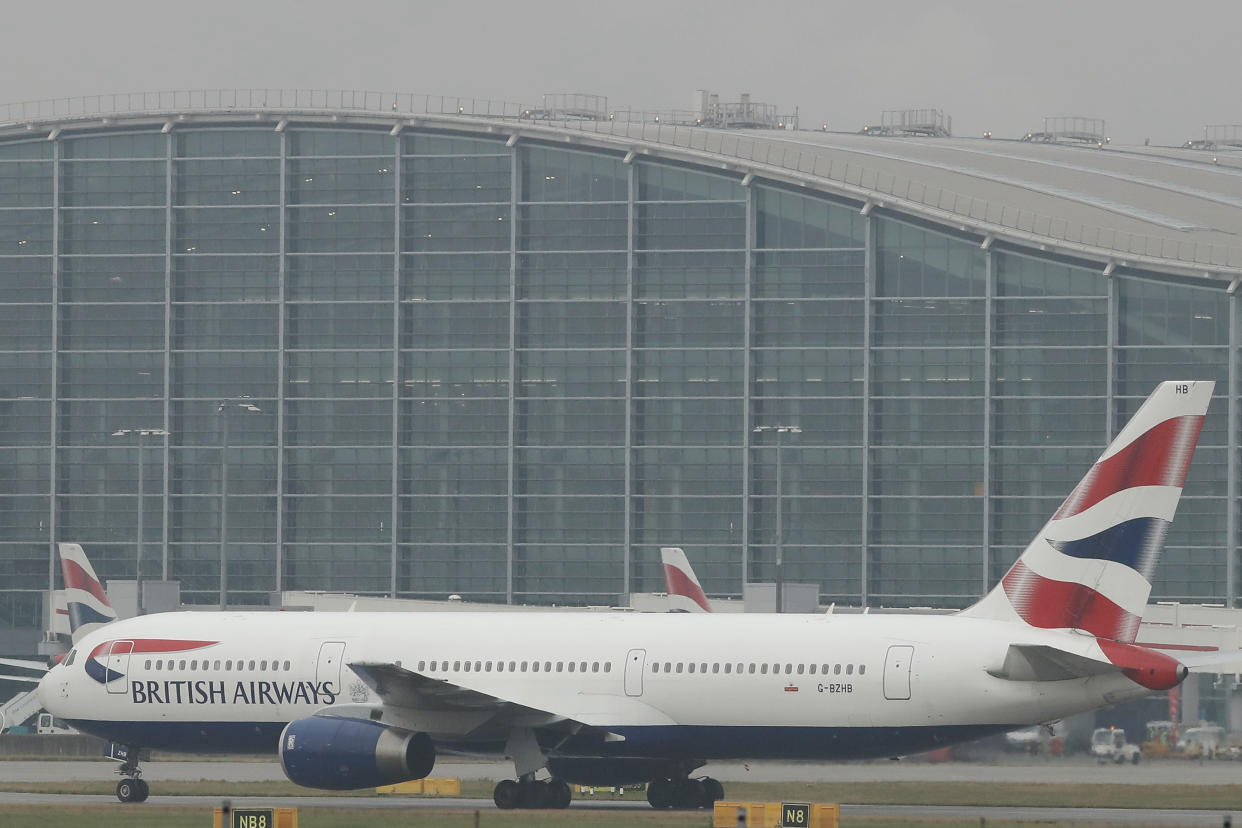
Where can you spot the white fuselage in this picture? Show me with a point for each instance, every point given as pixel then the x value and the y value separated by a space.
pixel 710 686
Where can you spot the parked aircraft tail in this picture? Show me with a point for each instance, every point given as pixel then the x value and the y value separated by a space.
pixel 1090 567
pixel 85 599
pixel 684 592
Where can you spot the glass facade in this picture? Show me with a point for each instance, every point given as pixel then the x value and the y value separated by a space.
pixel 432 363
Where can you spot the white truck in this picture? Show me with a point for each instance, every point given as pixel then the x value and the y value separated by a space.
pixel 1108 744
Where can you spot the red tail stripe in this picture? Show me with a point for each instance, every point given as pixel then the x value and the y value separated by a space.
pixel 1148 668
pixel 1158 457
pixel 679 583
pixel 1048 604
pixel 77 578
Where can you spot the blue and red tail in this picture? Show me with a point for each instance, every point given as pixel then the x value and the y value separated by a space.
pixel 85 599
pixel 1090 567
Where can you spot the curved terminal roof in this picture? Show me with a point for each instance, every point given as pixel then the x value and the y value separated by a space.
pixel 1160 209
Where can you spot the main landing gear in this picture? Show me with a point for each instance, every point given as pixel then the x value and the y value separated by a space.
pixel 684 794
pixel 132 788
pixel 528 792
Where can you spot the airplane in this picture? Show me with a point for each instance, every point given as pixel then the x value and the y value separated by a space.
pixel 355 700
pixel 685 593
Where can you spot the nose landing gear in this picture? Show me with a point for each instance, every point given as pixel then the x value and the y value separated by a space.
pixel 132 787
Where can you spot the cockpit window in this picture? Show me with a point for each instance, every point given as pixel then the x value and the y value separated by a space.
pixel 69 658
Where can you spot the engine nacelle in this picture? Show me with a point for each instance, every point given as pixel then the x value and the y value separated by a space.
pixel 340 754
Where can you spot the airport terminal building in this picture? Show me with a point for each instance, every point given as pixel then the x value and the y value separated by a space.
pixel 416 346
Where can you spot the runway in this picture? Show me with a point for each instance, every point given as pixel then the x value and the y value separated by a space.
pixel 1035 771
pixel 1114 816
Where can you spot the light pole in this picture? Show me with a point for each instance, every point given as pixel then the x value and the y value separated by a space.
pixel 141 434
pixel 780 431
pixel 224 408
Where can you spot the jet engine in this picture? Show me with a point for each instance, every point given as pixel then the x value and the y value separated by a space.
pixel 335 753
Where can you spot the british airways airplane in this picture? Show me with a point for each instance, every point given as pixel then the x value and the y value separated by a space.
pixel 355 700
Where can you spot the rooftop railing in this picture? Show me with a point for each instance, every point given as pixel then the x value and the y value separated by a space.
pixel 767 152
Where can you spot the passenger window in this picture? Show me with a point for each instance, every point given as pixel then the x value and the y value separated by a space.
pixel 478 666
pixel 467 670
pixel 788 669
pixel 287 665
pixel 228 665
pixel 594 666
pixel 607 666
pixel 668 667
pixel 703 667
pixel 849 669
pixel 582 666
pixel 824 669
pixel 716 667
pixel 728 667
pixel 263 664
pixel 252 664
pixel 801 668
pixel 739 668
pixel 655 666
pixel 534 666
pixel 691 670
pixel 836 670
pixel 456 666
pixel 512 666
pixel 571 666
pixel 547 666
pixel 146 666
pixel 812 670
pixel 862 668
pixel 421 666
pixel 182 667
pixel 752 669
pixel 524 665
pixel 763 669
pixel 217 665
pixel 194 664
pixel 679 666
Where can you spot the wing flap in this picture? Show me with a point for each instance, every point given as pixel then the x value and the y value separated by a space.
pixel 404 688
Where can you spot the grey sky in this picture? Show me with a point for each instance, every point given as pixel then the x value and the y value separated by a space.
pixel 1150 68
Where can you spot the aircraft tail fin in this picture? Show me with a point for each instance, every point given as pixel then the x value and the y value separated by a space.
pixel 1090 567
pixel 685 594
pixel 85 599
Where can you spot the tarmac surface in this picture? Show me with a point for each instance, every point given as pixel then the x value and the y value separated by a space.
pixel 1033 770
pixel 1111 816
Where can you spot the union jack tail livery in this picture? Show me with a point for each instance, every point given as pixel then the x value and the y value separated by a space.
pixel 85 599
pixel 1090 567
pixel 684 592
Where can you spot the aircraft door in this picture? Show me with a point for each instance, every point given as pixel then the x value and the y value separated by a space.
pixel 635 661
pixel 328 665
pixel 117 666
pixel 897 672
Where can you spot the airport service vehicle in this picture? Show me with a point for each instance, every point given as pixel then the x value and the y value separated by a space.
pixel 355 700
pixel 1108 744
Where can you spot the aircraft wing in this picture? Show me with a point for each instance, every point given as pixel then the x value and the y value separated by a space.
pixel 41 666
pixel 426 699
pixel 30 679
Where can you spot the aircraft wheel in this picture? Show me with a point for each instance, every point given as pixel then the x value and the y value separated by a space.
pixel 144 790
pixel 660 793
pixel 507 795
pixel 1135 760
pixel 558 794
pixel 127 790
pixel 690 794
pixel 714 791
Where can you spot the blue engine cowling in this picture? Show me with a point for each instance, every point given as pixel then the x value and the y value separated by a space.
pixel 339 754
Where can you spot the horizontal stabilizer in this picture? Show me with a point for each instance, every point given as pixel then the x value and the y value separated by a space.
pixel 1039 662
